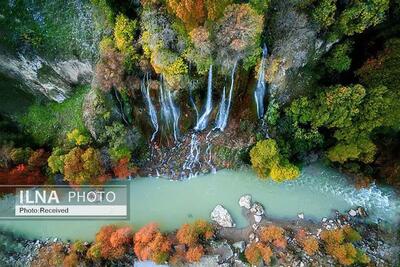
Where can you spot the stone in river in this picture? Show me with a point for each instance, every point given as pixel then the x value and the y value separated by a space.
pixel 257 209
pixel 361 211
pixel 301 216
pixel 222 217
pixel 352 213
pixel 245 201
pixel 240 246
pixel 257 218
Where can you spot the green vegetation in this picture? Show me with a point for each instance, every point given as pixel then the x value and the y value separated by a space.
pixel 351 113
pixel 338 58
pixel 49 123
pixel 268 162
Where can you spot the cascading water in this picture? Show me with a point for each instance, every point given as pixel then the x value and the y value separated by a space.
pixel 193 159
pixel 145 86
pixel 193 103
pixel 175 115
pixel 259 92
pixel 203 121
pixel 224 107
pixel 169 111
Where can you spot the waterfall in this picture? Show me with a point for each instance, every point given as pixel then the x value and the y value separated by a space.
pixel 169 111
pixel 193 158
pixel 175 115
pixel 145 86
pixel 193 103
pixel 259 92
pixel 224 107
pixel 203 121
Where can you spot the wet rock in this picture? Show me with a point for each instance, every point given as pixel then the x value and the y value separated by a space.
pixel 240 246
pixel 222 217
pixel 222 249
pixel 239 263
pixel 362 212
pixel 252 236
pixel 300 216
pixel 352 213
pixel 324 219
pixel 245 201
pixel 257 218
pixel 211 261
pixel 257 209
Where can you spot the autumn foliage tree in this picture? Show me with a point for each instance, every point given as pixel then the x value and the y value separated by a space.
pixel 256 253
pixel 193 236
pixel 194 13
pixel 151 244
pixel 273 234
pixel 338 243
pixel 111 242
pixel 84 167
pixel 309 243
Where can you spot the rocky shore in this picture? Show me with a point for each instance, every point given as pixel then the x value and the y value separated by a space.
pixel 380 244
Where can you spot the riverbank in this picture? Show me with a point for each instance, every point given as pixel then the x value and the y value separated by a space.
pixel 297 242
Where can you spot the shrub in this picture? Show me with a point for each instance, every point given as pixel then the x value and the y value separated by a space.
pixel 273 234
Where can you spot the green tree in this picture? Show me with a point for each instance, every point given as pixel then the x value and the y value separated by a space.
pixel 268 162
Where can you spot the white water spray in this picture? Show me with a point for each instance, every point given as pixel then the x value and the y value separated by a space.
pixel 224 107
pixel 259 92
pixel 169 111
pixel 203 121
pixel 145 87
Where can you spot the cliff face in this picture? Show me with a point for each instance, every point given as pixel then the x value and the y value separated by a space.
pixel 49 47
pixel 295 44
pixel 53 79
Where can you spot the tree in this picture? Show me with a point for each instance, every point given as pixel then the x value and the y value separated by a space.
pixel 151 244
pixel 257 253
pixel 84 167
pixel 78 138
pixel 110 243
pixel 338 243
pixel 324 13
pixel 241 27
pixel 192 234
pixel 274 235
pixel 267 161
pixel 195 253
pixel 338 58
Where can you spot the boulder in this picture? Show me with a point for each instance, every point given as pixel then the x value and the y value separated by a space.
pixel 245 201
pixel 257 209
pixel 352 213
pixel 362 212
pixel 240 246
pixel 222 217
pixel 300 216
pixel 222 249
pixel 257 218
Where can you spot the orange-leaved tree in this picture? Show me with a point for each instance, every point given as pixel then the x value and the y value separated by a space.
pixel 151 244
